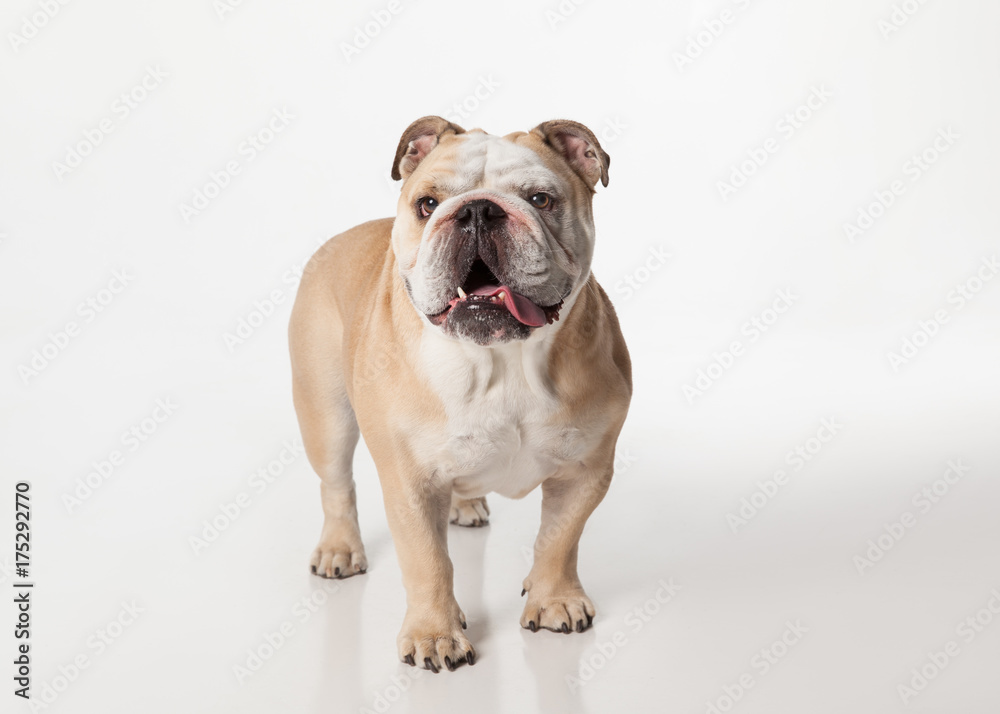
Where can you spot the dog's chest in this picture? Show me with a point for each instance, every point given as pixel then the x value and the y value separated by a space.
pixel 503 432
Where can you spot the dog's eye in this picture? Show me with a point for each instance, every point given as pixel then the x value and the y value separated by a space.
pixel 541 200
pixel 426 206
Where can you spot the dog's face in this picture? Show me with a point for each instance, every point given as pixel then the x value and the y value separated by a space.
pixel 493 234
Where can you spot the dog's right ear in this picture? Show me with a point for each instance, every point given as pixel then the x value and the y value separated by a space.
pixel 417 141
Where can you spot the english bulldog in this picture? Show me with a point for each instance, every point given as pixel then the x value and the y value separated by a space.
pixel 467 339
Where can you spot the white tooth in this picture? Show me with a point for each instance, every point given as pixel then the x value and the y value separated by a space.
pixel 461 293
pixel 502 295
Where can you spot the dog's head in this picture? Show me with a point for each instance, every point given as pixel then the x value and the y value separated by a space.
pixel 493 234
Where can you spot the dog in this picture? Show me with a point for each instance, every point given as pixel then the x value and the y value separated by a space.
pixel 467 339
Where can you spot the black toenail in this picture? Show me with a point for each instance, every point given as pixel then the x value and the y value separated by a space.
pixel 470 657
pixel 409 660
pixel 579 625
pixel 448 664
pixel 532 626
pixel 523 591
pixel 430 665
pixel 565 628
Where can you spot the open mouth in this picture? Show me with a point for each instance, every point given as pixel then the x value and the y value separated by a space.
pixel 482 291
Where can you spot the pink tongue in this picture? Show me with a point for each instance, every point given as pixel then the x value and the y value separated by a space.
pixel 519 306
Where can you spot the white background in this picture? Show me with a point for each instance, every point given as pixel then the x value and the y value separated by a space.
pixel 685 461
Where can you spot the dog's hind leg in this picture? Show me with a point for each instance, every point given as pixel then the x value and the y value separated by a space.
pixel 470 512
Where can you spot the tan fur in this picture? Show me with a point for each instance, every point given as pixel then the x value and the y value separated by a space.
pixel 354 339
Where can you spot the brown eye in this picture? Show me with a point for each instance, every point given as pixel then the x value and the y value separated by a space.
pixel 426 206
pixel 541 200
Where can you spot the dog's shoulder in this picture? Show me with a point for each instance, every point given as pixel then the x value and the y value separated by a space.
pixel 340 269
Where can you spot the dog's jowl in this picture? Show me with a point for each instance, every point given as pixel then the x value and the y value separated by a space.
pixel 468 341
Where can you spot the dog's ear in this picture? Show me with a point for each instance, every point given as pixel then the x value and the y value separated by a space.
pixel 579 148
pixel 417 141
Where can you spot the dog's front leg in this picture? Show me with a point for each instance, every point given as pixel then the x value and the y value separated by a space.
pixel 556 599
pixel 417 511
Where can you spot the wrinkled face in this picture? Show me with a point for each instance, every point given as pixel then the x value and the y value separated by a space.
pixel 492 236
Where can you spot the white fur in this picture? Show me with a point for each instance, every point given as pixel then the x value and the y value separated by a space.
pixel 502 432
pixel 501 435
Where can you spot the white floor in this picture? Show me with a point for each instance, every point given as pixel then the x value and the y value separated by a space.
pixel 685 605
pixel 819 602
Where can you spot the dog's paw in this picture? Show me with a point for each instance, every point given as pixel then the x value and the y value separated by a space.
pixel 436 647
pixel 333 559
pixel 565 611
pixel 472 512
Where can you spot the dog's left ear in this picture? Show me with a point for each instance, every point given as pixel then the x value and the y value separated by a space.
pixel 417 141
pixel 579 147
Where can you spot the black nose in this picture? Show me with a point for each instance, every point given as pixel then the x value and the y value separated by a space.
pixel 479 213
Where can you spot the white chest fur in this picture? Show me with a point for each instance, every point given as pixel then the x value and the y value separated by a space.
pixel 502 434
